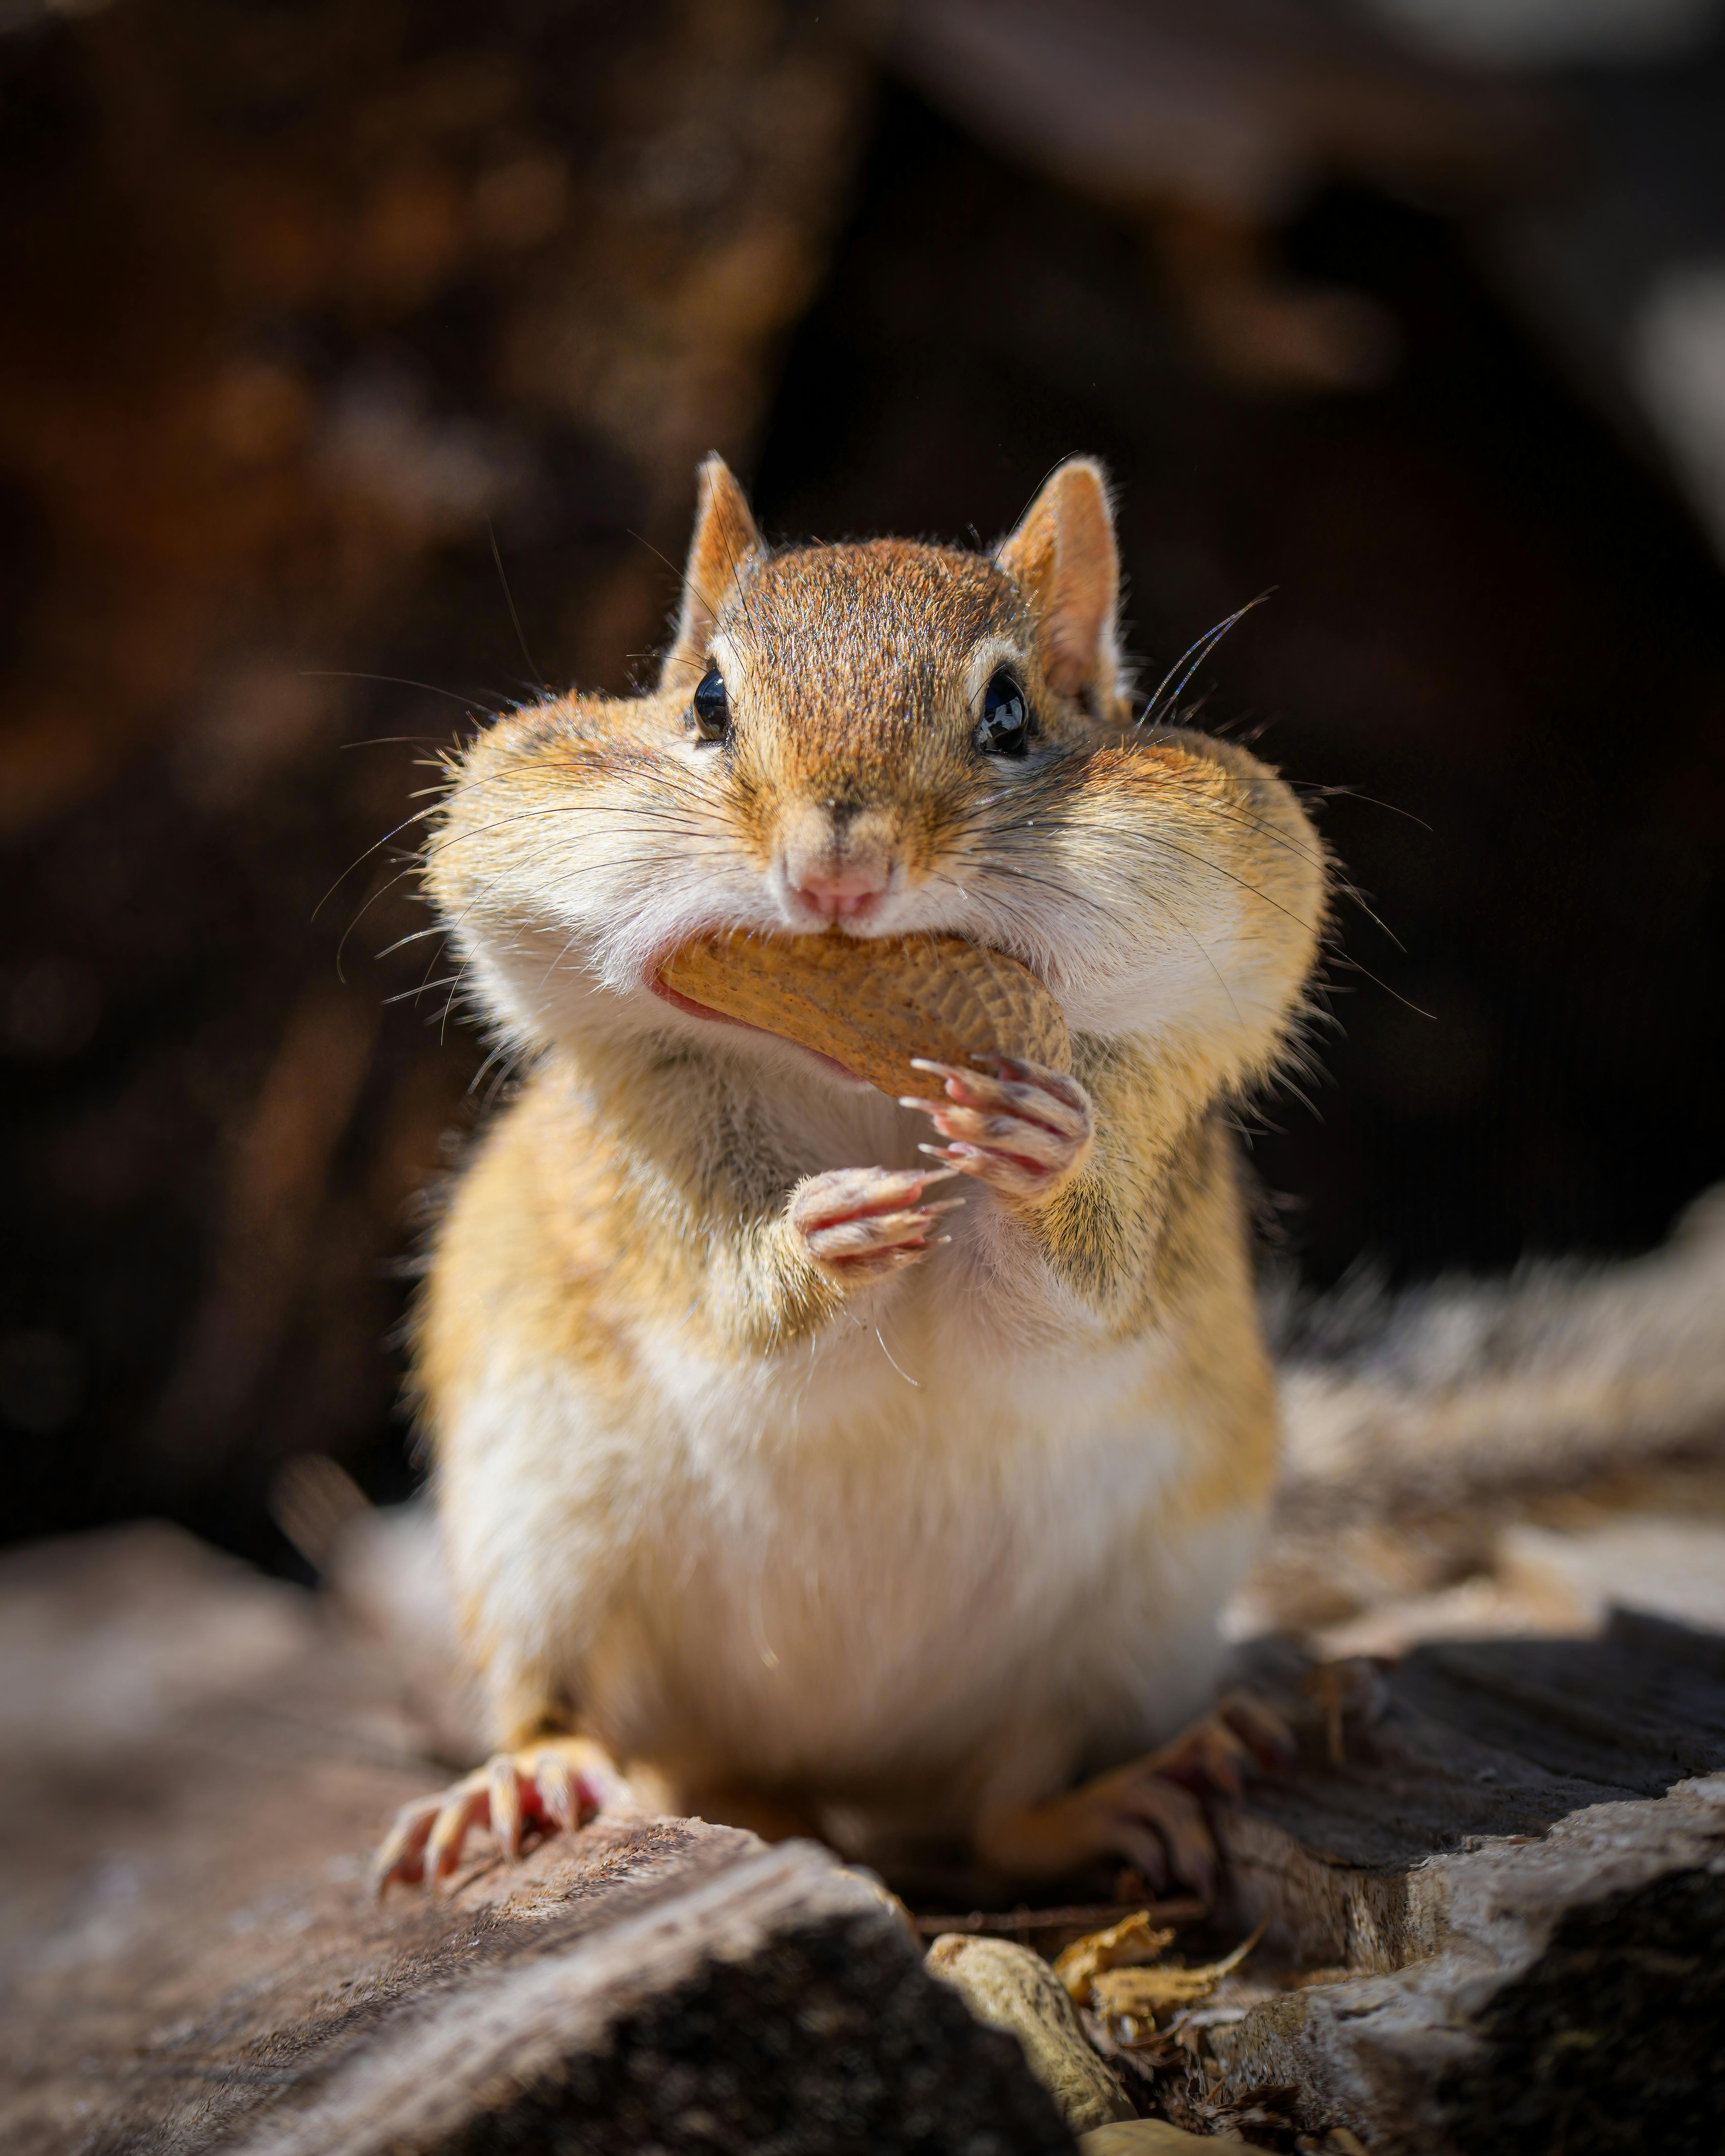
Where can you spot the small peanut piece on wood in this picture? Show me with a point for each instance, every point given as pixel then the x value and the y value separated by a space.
pixel 1011 1988
pixel 1144 2137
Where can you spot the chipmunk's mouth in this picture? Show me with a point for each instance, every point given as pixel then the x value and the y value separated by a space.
pixel 830 1064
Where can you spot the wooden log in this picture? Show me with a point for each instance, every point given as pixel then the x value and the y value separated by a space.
pixel 1492 1917
pixel 735 1997
pixel 653 1983
pixel 1521 1864
pixel 213 1972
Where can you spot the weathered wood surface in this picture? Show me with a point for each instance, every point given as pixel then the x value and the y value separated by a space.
pixel 676 1987
pixel 194 1773
pixel 1522 1866
pixel 1494 1925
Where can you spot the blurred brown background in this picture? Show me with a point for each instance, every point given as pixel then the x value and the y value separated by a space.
pixel 317 317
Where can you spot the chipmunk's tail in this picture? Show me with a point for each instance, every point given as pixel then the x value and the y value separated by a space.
pixel 1476 1440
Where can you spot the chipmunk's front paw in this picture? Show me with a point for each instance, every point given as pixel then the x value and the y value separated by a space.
pixel 859 1224
pixel 562 1782
pixel 1022 1130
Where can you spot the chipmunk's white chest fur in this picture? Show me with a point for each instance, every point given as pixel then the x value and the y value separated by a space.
pixel 917 1552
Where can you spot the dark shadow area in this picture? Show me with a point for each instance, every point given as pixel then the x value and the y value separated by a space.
pixel 1562 2072
pixel 1495 655
pixel 1496 636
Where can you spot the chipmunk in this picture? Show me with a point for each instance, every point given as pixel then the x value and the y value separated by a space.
pixel 779 1483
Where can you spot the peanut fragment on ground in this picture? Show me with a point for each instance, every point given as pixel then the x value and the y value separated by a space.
pixel 1011 1988
pixel 1144 2137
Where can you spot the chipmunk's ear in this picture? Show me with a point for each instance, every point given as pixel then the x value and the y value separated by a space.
pixel 1064 559
pixel 725 548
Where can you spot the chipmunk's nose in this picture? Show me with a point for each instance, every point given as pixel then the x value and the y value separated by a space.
pixel 834 868
pixel 841 893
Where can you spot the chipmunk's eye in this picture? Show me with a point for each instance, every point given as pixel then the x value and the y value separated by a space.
pixel 1006 723
pixel 711 706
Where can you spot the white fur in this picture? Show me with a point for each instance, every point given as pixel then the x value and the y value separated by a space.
pixel 859 1563
pixel 1155 949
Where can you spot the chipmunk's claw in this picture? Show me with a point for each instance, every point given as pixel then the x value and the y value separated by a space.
pixel 1148 1810
pixel 1133 1811
pixel 859 1224
pixel 556 1785
pixel 1021 1129
pixel 1240 1735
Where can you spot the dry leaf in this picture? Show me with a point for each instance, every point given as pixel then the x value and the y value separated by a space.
pixel 1134 1939
pixel 1146 1994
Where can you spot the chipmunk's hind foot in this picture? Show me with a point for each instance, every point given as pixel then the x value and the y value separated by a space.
pixel 1148 1810
pixel 1132 1811
pixel 1240 1735
pixel 557 1784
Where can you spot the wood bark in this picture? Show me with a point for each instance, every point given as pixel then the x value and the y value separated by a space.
pixel 1516 1881
pixel 194 1769
pixel 1493 1891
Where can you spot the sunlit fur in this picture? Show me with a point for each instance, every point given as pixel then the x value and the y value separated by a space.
pixel 909 1554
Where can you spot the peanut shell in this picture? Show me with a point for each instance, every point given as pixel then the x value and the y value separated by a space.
pixel 872 1003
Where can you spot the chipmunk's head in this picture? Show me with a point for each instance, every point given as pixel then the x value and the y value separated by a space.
pixel 873 739
pixel 871 713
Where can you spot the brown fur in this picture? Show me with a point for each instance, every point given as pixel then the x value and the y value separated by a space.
pixel 633 1327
